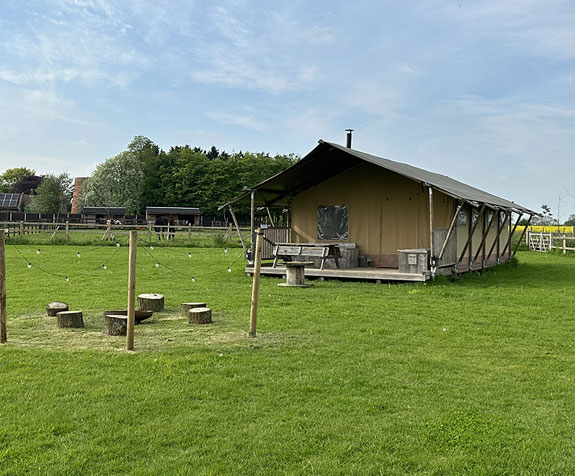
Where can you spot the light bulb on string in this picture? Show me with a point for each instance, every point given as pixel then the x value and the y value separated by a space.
pixel 229 269
pixel 189 255
pixel 151 247
pixel 117 245
pixel 67 278
pixel 38 252
pixel 29 265
pixel 6 231
pixel 225 251
pixel 78 254
pixel 104 266
pixel 157 265
pixel 193 279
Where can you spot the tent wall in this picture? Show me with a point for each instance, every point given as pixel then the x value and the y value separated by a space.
pixel 387 211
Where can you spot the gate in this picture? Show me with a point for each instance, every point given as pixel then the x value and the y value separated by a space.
pixel 273 236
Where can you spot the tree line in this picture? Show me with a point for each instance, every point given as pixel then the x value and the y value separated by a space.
pixel 145 175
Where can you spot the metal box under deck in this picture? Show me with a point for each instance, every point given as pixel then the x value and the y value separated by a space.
pixel 364 274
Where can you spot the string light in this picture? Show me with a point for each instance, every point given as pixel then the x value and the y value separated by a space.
pixel 189 255
pixel 117 245
pixel 78 254
pixel 37 252
pixel 6 231
pixel 157 265
pixel 225 251
pixel 67 278
pixel 104 266
pixel 29 265
pixel 193 279
pixel 229 269
pixel 151 247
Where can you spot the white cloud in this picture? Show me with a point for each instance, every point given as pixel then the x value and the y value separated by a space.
pixel 238 120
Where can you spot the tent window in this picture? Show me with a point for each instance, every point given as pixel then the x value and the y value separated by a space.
pixel 332 223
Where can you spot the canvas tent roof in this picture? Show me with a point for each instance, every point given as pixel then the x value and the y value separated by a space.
pixel 328 159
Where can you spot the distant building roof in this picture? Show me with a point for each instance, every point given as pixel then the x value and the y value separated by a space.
pixel 104 211
pixel 172 211
pixel 10 201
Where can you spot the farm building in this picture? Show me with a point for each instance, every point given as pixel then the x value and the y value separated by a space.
pixel 389 220
pixel 175 215
pixel 103 214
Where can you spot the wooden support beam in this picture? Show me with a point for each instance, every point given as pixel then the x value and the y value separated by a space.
pixel 521 237
pixel 238 229
pixel 483 238
pixel 270 217
pixel 508 244
pixel 468 242
pixel 450 230
pixel 495 241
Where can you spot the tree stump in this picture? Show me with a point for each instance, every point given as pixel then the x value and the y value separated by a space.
pixel 70 319
pixel 151 302
pixel 116 324
pixel 55 307
pixel 200 315
pixel 186 306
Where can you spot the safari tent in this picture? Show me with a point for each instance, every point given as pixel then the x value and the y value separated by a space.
pixel 388 211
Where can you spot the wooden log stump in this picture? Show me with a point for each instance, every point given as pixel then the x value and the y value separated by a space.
pixel 116 324
pixel 151 302
pixel 70 319
pixel 55 307
pixel 186 306
pixel 200 315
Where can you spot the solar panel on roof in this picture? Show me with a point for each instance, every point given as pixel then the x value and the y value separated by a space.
pixel 9 200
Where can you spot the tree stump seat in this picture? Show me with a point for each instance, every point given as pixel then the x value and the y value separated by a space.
pixel 55 307
pixel 151 302
pixel 200 315
pixel 186 306
pixel 139 315
pixel 116 324
pixel 70 319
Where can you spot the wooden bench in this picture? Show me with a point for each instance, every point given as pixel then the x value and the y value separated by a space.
pixel 287 251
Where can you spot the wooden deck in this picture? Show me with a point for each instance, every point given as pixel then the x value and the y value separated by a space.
pixel 365 274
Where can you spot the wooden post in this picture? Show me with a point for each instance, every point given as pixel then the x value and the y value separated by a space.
pixel 150 232
pixel 564 245
pixel 256 283
pixel 189 232
pixel 21 232
pixel 131 290
pixel 252 223
pixel 67 230
pixel 2 288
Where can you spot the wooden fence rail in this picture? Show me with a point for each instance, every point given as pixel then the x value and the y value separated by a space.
pixel 543 242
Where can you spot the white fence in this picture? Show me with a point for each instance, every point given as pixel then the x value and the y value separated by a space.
pixel 543 242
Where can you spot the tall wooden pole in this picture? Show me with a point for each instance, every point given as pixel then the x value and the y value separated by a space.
pixel 252 223
pixel 431 244
pixel 67 229
pixel 2 288
pixel 131 290
pixel 256 283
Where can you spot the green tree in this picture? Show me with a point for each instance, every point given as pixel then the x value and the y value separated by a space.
pixel 53 195
pixel 570 221
pixel 12 176
pixel 115 183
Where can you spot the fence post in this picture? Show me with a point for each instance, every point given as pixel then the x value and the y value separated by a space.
pixel 131 290
pixel 256 283
pixel 190 232
pixel 67 230
pixel 2 288
pixel 149 232
pixel 21 232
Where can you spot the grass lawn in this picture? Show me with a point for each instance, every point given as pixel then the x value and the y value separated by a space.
pixel 474 376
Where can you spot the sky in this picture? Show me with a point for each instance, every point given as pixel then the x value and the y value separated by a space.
pixel 482 91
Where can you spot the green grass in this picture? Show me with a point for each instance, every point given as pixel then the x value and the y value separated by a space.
pixel 473 376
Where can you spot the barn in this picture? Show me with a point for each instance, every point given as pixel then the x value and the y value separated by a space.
pixel 389 219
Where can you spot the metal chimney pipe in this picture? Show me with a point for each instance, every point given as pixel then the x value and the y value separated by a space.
pixel 348 142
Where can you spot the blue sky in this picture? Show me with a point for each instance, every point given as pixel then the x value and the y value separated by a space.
pixel 482 91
